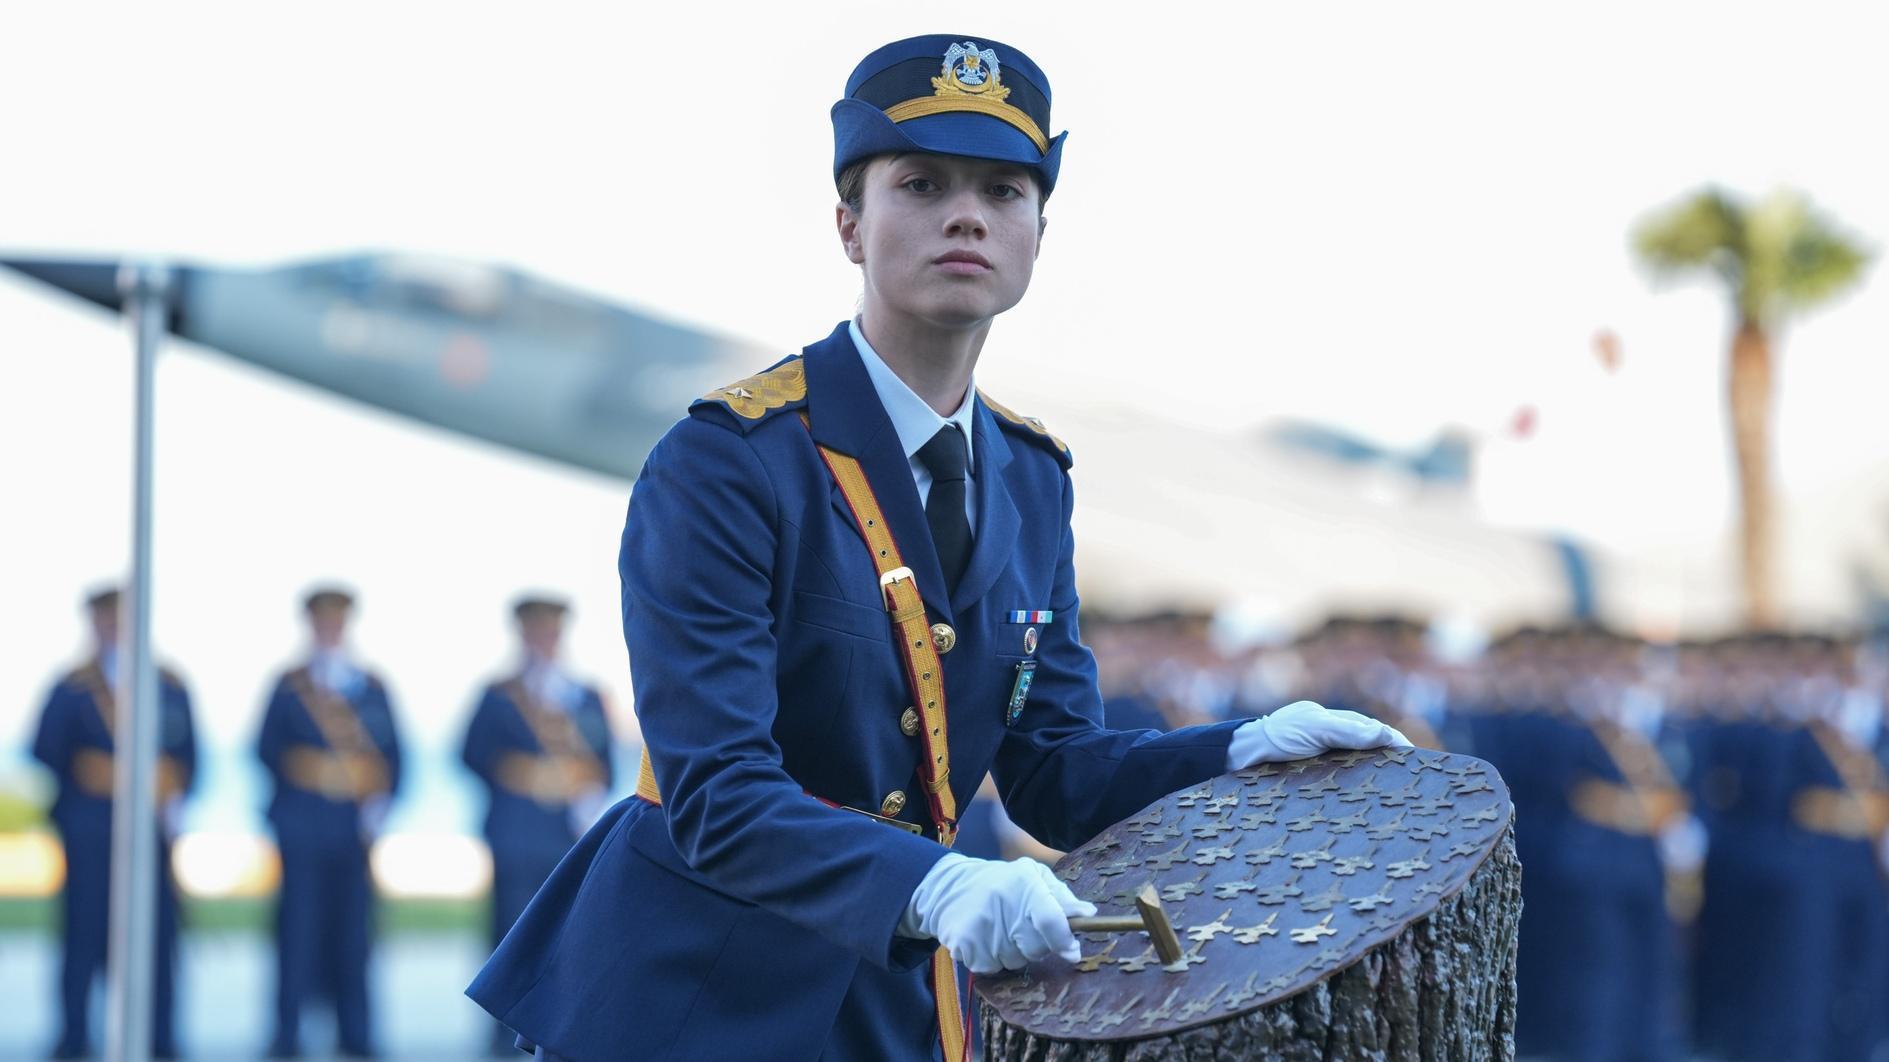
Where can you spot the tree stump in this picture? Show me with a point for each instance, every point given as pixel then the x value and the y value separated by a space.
pixel 1359 905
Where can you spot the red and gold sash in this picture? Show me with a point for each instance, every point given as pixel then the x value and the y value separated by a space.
pixel 564 768
pixel 1859 809
pixel 924 675
pixel 92 767
pixel 351 767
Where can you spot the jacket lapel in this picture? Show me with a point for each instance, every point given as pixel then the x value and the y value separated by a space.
pixel 846 415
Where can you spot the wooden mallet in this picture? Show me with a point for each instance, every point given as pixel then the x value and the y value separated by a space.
pixel 1152 920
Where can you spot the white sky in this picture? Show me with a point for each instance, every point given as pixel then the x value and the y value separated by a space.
pixel 1393 217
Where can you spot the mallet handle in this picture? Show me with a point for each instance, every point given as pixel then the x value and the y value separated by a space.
pixel 1107 924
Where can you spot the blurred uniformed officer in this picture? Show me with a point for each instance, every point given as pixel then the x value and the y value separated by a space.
pixel 848 593
pixel 1624 859
pixel 76 735
pixel 328 741
pixel 540 741
pixel 1745 754
pixel 1830 929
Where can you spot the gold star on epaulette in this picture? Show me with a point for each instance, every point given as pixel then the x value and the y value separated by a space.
pixel 753 397
pixel 1014 417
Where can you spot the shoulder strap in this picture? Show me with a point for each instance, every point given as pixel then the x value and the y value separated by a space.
pixel 924 672
pixel 924 676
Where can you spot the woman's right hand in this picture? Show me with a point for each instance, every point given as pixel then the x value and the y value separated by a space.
pixel 996 915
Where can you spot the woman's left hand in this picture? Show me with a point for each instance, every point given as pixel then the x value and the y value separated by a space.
pixel 1306 728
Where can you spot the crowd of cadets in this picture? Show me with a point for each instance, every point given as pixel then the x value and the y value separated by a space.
pixel 538 739
pixel 1701 825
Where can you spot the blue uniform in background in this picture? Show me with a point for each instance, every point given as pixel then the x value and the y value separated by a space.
pixel 1742 778
pixel 545 759
pixel 1595 910
pixel 1527 741
pixel 1829 982
pixel 75 740
pixel 334 755
pixel 747 915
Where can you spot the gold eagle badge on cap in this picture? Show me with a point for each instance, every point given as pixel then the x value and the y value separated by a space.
pixel 972 71
pixel 971 80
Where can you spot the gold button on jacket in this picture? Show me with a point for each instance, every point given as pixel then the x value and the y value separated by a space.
pixel 893 804
pixel 909 722
pixel 943 637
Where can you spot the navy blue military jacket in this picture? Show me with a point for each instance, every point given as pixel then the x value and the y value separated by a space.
pixel 75 739
pixel 298 812
pixel 500 730
pixel 746 917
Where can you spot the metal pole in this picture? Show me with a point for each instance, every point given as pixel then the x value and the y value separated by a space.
pixel 131 960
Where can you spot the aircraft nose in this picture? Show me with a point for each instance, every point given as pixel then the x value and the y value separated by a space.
pixel 94 281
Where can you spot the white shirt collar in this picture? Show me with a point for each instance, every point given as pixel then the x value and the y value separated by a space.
pixel 915 421
pixel 333 670
pixel 549 683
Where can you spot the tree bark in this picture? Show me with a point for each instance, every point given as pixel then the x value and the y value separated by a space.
pixel 1442 990
pixel 1749 395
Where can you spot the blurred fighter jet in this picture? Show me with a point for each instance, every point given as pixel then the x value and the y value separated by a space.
pixel 488 352
pixel 1445 461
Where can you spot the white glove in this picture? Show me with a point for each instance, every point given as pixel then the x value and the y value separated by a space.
pixel 586 808
pixel 995 915
pixel 1305 728
pixel 1682 844
pixel 373 817
pixel 171 818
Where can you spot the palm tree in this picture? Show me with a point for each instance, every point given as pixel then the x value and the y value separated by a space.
pixel 1774 257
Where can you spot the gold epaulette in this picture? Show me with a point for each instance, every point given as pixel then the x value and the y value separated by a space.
pixel 781 387
pixel 1030 427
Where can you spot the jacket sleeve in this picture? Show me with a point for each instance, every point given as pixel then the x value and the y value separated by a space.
pixel 481 749
pixel 697 567
pixel 1063 777
pixel 272 741
pixel 180 737
pixel 389 740
pixel 52 740
pixel 603 740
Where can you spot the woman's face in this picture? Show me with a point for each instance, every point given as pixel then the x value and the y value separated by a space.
pixel 946 240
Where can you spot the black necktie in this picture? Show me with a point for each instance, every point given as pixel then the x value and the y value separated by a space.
pixel 945 457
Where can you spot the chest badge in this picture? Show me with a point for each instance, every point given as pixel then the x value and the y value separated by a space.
pixel 1019 691
pixel 1029 640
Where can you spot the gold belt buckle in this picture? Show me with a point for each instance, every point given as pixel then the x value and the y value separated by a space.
pixel 908 827
pixel 890 579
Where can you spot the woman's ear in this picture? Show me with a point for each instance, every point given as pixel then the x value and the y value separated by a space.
pixel 848 224
pixel 1042 226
